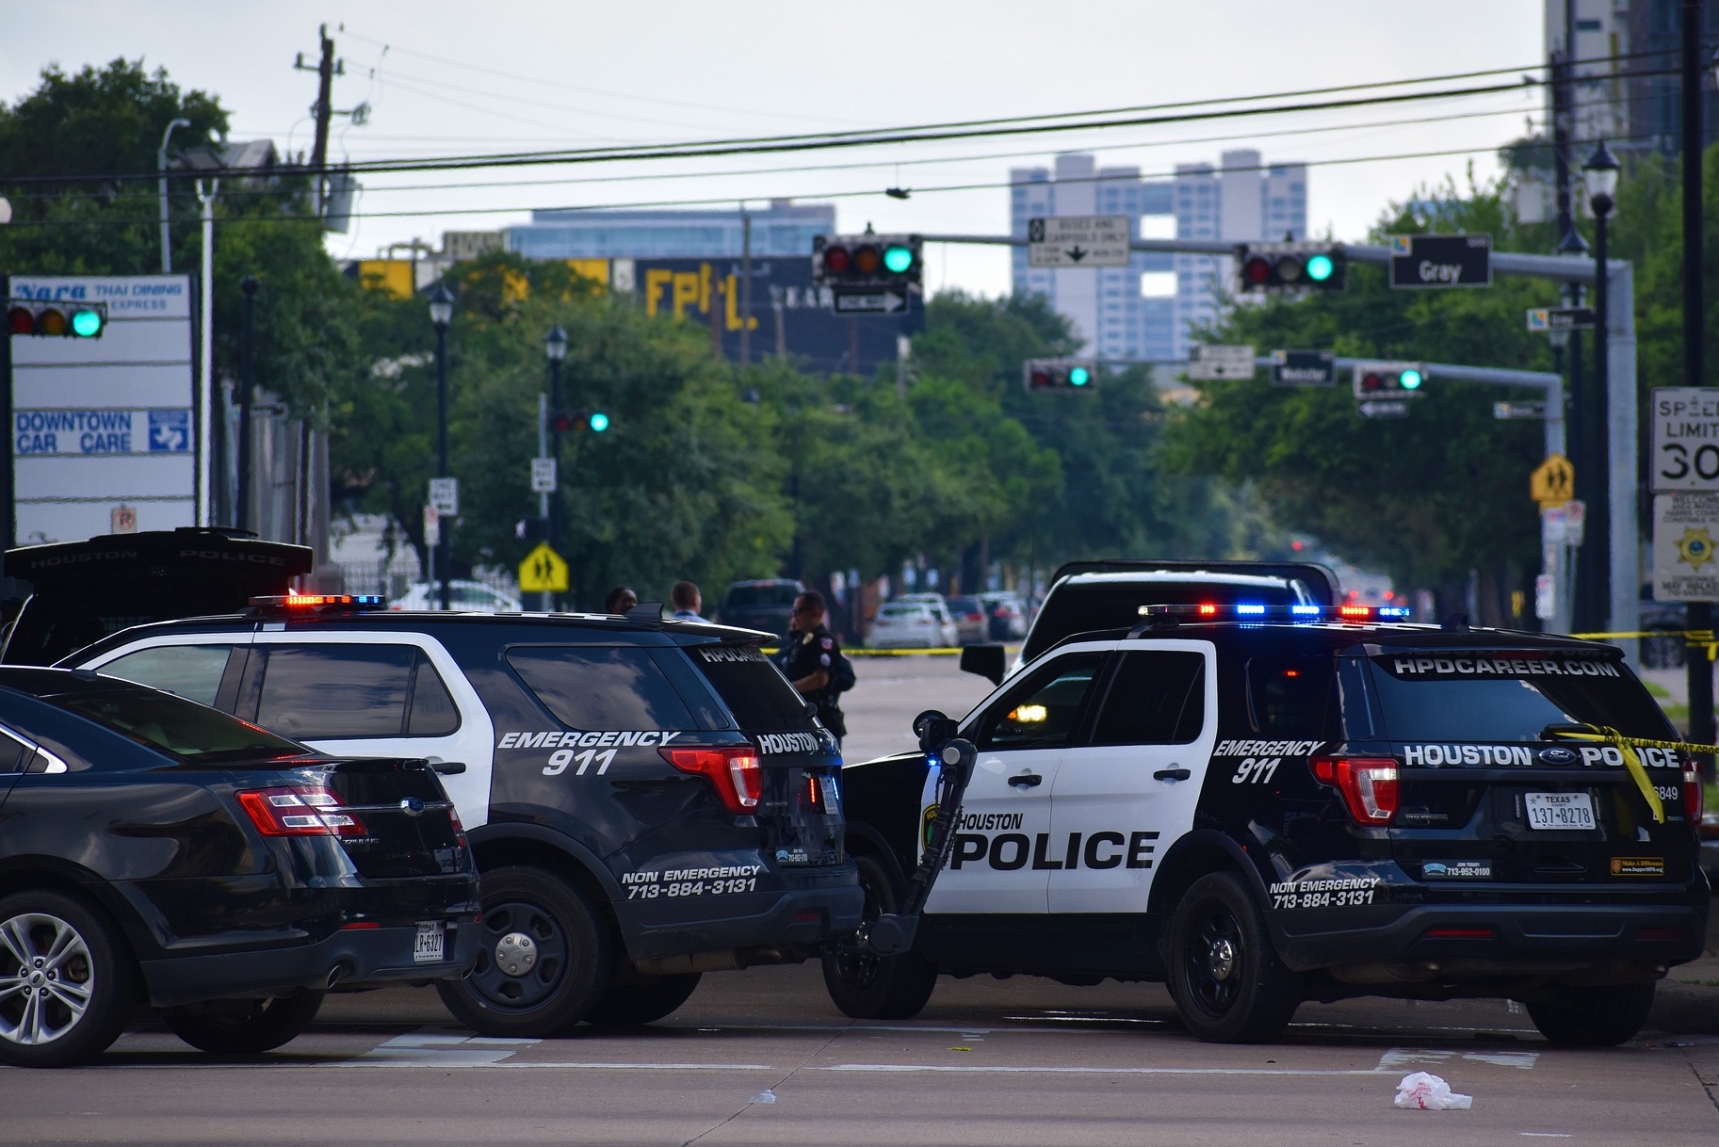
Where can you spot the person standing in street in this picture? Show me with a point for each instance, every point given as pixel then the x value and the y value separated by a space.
pixel 620 600
pixel 687 601
pixel 814 664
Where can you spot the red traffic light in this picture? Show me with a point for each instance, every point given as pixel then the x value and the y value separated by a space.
pixel 1372 380
pixel 21 320
pixel 836 260
pixel 561 422
pixel 1257 270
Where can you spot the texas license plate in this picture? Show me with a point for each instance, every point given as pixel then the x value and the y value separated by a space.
pixel 1573 811
pixel 430 943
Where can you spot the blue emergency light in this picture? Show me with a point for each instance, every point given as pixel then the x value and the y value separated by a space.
pixel 1212 611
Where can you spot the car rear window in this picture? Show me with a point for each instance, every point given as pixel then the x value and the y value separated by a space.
pixel 1075 609
pixel 752 687
pixel 601 687
pixel 741 596
pixel 177 727
pixel 1508 695
pixel 1290 694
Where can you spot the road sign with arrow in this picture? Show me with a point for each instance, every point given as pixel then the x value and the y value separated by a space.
pixel 867 301
pixel 1079 241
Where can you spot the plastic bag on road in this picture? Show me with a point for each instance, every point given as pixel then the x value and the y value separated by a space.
pixel 1423 1091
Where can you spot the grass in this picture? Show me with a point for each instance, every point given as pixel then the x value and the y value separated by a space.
pixel 1656 689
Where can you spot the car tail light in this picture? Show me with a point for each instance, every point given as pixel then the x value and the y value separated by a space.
pixel 1461 932
pixel 459 829
pixel 1692 794
pixel 733 769
pixel 299 812
pixel 814 794
pixel 1368 785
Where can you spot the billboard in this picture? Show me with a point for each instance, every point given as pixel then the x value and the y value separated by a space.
pixel 790 314
pixel 103 435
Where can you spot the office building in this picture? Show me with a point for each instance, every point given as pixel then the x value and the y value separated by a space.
pixel 783 230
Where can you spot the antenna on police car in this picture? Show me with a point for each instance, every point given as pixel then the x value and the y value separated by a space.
pixel 647 611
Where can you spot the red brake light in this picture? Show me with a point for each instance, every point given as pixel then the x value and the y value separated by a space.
pixel 733 769
pixel 1692 796
pixel 814 794
pixel 1368 785
pixel 299 812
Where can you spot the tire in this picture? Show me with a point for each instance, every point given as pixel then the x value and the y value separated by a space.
pixel 634 1005
pixel 879 987
pixel 244 1027
pixel 1594 1017
pixel 1227 982
pixel 542 957
pixel 70 957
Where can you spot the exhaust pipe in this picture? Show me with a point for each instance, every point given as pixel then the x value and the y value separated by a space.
pixel 341 970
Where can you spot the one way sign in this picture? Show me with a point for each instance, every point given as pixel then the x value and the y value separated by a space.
pixel 867 301
pixel 1079 241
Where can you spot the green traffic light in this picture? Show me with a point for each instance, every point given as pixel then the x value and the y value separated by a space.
pixel 1079 376
pixel 1409 380
pixel 599 422
pixel 898 259
pixel 86 324
pixel 1320 268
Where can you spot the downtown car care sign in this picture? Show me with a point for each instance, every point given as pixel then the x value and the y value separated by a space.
pixel 102 430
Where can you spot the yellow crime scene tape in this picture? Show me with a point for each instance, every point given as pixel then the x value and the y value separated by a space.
pixel 1627 746
pixel 1693 638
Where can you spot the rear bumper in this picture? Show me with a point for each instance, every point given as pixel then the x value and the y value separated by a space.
pixel 358 958
pixel 828 902
pixel 1492 940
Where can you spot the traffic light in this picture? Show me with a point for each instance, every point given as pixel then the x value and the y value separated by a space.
pixel 1068 374
pixel 867 260
pixel 567 421
pixel 55 319
pixel 1266 268
pixel 1389 379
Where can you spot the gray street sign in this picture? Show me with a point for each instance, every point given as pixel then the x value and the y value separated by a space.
pixel 1211 362
pixel 1304 368
pixel 1079 241
pixel 1543 320
pixel 1439 261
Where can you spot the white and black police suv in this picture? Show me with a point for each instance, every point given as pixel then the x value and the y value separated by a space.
pixel 1264 805
pixel 646 800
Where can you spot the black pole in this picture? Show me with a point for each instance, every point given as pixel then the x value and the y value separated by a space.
pixel 554 448
pixel 1699 667
pixel 444 554
pixel 247 395
pixel 1599 498
pixel 8 493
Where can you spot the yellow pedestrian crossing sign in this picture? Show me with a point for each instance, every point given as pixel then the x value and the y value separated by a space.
pixel 543 571
pixel 1553 482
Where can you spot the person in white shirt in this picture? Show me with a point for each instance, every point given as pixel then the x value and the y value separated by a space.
pixel 687 601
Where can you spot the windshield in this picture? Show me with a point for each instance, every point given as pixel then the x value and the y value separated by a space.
pixel 184 729
pixel 1508 696
pixel 1074 608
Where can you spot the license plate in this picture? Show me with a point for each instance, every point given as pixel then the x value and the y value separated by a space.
pixel 1574 811
pixel 427 948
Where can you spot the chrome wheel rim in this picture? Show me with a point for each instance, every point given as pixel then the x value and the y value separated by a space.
pixel 47 979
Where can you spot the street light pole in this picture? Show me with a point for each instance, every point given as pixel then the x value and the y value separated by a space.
pixel 1600 174
pixel 247 395
pixel 161 166
pixel 1700 613
pixel 441 313
pixel 554 349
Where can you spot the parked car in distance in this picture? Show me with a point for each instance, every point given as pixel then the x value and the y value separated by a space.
pixel 464 595
pixel 972 622
pixel 1006 617
pixel 159 851
pixel 912 625
pixel 763 603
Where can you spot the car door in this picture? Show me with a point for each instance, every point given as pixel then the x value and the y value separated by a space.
pixel 202 667
pixel 378 694
pixel 1001 843
pixel 1124 796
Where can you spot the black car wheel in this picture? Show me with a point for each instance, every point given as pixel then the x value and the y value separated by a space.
pixel 869 987
pixel 542 956
pixel 1593 1017
pixel 244 1027
pixel 633 1005
pixel 1228 984
pixel 67 987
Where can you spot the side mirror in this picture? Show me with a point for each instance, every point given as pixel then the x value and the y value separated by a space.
pixel 986 660
pixel 934 729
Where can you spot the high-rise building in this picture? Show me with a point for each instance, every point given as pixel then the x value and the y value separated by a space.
pixel 1240 200
pixel 1107 306
pixel 784 230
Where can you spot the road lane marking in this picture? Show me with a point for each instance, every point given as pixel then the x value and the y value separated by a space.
pixel 1398 1058
pixel 439 1049
pixel 904 1068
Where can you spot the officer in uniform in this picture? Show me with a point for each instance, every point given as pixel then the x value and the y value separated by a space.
pixel 812 661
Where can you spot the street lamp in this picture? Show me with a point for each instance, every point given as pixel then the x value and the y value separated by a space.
pixel 441 313
pixel 555 348
pixel 1600 177
pixel 161 166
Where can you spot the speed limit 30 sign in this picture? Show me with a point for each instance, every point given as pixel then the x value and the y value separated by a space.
pixel 1685 440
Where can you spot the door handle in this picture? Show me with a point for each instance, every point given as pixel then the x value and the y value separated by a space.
pixel 1172 774
pixel 448 768
pixel 1027 780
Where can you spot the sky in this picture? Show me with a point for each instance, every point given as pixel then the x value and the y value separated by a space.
pixel 444 78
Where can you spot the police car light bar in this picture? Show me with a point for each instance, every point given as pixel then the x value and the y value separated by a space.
pixel 319 601
pixel 1250 610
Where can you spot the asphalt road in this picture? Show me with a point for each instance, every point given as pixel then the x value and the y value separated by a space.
pixel 762 1057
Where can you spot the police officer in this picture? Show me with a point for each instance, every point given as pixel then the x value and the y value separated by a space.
pixel 812 661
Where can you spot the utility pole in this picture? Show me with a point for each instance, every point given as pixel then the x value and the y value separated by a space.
pixel 323 110
pixel 247 395
pixel 745 287
pixel 1699 667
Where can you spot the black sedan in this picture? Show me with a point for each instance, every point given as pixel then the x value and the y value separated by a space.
pixel 156 851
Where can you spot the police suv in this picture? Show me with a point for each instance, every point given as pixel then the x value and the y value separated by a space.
pixel 646 800
pixel 1262 805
